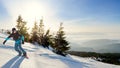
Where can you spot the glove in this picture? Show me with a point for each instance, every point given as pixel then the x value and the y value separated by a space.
pixel 22 42
pixel 4 42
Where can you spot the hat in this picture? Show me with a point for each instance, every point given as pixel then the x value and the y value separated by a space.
pixel 13 29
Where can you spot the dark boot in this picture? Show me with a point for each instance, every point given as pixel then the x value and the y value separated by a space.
pixel 19 53
pixel 25 55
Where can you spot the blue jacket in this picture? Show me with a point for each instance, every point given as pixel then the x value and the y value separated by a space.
pixel 16 36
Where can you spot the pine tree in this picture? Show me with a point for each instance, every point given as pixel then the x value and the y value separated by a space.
pixel 60 44
pixel 41 27
pixel 41 32
pixel 21 26
pixel 34 33
pixel 47 39
pixel 19 22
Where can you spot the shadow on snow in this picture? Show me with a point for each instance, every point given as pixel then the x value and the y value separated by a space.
pixel 71 62
pixel 14 62
pixel 6 46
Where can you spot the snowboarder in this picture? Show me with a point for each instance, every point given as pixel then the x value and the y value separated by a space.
pixel 19 39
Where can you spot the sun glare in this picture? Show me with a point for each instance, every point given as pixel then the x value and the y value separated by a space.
pixel 35 11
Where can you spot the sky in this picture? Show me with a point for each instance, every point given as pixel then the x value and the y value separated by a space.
pixel 82 19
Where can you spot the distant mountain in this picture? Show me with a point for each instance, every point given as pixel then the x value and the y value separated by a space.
pixel 86 49
pixel 99 43
pixel 100 46
pixel 111 48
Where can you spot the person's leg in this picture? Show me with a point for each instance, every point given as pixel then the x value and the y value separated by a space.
pixel 17 49
pixel 22 50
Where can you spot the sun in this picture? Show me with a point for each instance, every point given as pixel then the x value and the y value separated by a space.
pixel 34 11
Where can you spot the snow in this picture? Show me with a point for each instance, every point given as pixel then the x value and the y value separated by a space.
pixel 40 57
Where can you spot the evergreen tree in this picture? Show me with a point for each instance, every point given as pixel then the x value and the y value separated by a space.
pixel 60 44
pixel 19 22
pixel 41 32
pixel 47 39
pixel 21 26
pixel 34 33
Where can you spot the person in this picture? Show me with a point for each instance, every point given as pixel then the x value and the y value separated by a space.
pixel 19 39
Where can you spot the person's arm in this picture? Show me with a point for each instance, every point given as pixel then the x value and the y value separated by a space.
pixel 7 38
pixel 22 37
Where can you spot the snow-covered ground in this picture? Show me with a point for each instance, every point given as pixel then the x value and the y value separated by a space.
pixel 40 57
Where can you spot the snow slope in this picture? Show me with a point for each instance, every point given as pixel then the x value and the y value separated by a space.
pixel 40 57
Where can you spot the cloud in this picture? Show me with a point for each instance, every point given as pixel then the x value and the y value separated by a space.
pixel 90 25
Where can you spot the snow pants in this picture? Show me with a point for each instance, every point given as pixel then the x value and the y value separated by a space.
pixel 18 47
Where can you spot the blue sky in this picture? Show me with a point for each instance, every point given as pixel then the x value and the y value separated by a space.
pixel 80 15
pixel 73 9
pixel 105 10
pixel 3 11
